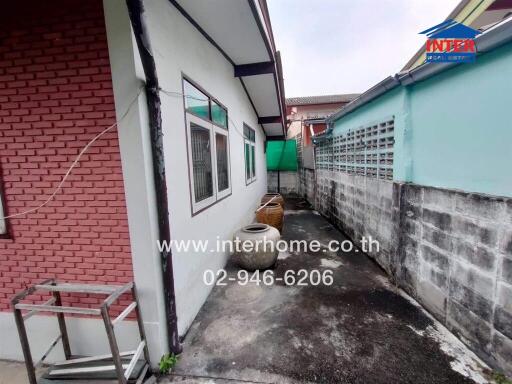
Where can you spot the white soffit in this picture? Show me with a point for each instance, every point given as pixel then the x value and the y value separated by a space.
pixel 232 25
pixel 262 89
pixel 274 129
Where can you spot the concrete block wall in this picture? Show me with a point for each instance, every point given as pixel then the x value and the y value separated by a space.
pixel 455 256
pixel 360 206
pixel 451 250
pixel 302 184
pixel 288 181
pixel 306 183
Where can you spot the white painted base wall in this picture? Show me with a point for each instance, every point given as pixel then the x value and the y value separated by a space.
pixel 87 337
pixel 134 142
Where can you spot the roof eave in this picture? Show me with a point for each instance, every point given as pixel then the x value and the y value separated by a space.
pixel 384 86
pixel 264 64
pixel 320 100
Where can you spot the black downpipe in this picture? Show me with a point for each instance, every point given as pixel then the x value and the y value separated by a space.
pixel 136 12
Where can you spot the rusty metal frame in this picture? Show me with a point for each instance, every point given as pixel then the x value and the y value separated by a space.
pixel 54 305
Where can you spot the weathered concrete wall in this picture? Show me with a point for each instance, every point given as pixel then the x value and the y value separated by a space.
pixel 360 206
pixel 307 184
pixel 308 157
pixel 451 250
pixel 455 256
pixel 288 182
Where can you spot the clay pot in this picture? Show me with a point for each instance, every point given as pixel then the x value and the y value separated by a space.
pixel 271 214
pixel 278 198
pixel 260 257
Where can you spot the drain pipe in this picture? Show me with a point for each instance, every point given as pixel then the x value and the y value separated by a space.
pixel 138 22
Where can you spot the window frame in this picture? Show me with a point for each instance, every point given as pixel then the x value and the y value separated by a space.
pixel 225 192
pixel 210 99
pixel 251 142
pixel 214 129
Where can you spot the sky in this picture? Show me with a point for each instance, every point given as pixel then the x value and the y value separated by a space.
pixel 347 46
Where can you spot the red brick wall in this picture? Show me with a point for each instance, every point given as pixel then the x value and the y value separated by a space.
pixel 56 95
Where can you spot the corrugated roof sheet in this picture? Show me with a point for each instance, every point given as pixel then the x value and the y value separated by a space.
pixel 326 99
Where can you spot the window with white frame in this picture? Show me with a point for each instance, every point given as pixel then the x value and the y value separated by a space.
pixel 207 147
pixel 250 154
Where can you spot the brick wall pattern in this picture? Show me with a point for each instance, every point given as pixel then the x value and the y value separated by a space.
pixel 55 95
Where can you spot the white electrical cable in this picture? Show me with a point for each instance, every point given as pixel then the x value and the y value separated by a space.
pixel 73 165
pixel 84 149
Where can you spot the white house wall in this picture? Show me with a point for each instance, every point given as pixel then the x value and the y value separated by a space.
pixel 180 48
pixel 86 337
pixel 135 148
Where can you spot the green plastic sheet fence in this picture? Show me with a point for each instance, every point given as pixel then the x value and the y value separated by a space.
pixel 282 155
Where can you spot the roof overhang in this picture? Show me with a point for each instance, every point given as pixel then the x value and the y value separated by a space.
pixel 316 120
pixel 242 32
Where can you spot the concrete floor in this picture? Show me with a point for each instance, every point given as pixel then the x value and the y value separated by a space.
pixel 12 372
pixel 359 330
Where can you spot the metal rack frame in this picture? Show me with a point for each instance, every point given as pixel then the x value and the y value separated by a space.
pixel 54 305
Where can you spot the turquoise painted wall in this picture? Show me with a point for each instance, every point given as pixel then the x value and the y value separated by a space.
pixel 389 104
pixel 462 126
pixel 453 130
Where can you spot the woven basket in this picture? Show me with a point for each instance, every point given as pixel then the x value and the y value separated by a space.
pixel 278 198
pixel 272 214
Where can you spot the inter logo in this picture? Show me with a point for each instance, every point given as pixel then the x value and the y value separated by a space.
pixel 451 41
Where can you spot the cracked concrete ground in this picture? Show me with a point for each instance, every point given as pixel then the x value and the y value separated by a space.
pixel 13 372
pixel 359 330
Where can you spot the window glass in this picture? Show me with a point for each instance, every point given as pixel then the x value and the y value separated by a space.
pixel 253 161
pixel 221 145
pixel 247 132
pixel 201 162
pixel 219 115
pixel 196 102
pixel 247 161
pixel 250 154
